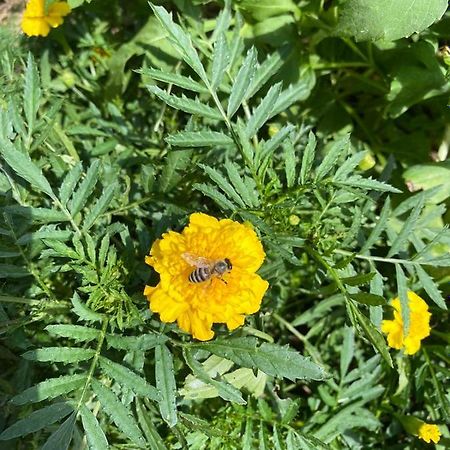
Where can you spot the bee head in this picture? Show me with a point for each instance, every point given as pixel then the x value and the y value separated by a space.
pixel 223 266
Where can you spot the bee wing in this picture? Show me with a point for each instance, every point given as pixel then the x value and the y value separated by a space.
pixel 197 261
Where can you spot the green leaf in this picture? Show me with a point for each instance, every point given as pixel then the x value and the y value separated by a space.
pixel 174 78
pixel 243 190
pixel 186 104
pixel 45 233
pixel 387 20
pixel 51 388
pixel 69 183
pixel 119 413
pixel 227 391
pixel 372 334
pixel 77 332
pixel 264 9
pixel 142 343
pixel 403 296
pixel 430 287
pixel 181 41
pixel 62 249
pixel 31 93
pixel 125 377
pixel 199 139
pixel 12 271
pixel 221 59
pixel 214 194
pixel 37 420
pixel 154 440
pixel 242 82
pixel 273 143
pixel 59 354
pixel 289 163
pixel 83 312
pixel 349 164
pixel 357 280
pixel 264 111
pixel 347 351
pixel 368 299
pixel 60 439
pixel 85 189
pixel 94 434
pixel 380 225
pixel 36 215
pixel 223 183
pixel 407 229
pixel 270 358
pixel 367 184
pixel 100 206
pixel 308 158
pixel 295 92
pixel 25 168
pixel 165 383
pixel 336 149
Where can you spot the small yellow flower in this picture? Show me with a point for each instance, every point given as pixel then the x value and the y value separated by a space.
pixel 37 22
pixel 429 432
pixel 419 325
pixel 426 431
pixel 225 299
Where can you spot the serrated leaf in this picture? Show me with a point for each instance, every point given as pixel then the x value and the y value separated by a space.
pixel 380 225
pixel 85 188
pixel 403 296
pixel 372 334
pixel 368 299
pixel 154 440
pixel 269 67
pixel 214 194
pixel 166 385
pixel 349 164
pixel 367 184
pixel 186 104
pixel 25 168
pixel 273 143
pixel 272 359
pixel 118 412
pixel 77 332
pixel 181 41
pixel 264 111
pixel 223 183
pixel 387 20
pixel 45 233
pixel 289 163
pixel 357 280
pixel 143 342
pixel 308 158
pixel 347 351
pixel 407 229
pixel 60 439
pixel 242 82
pixel 59 354
pixel 94 434
pixel 83 312
pixel 13 271
pixel 243 190
pixel 37 420
pixel 430 287
pixel 199 139
pixel 36 215
pixel 295 92
pixel 174 78
pixel 31 93
pixel 127 378
pixel 100 206
pixel 220 60
pixel 337 147
pixel 50 388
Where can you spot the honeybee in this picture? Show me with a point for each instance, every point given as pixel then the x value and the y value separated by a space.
pixel 206 269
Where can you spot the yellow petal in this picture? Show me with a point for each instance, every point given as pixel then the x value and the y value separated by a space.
pixel 58 9
pixel 34 8
pixel 35 26
pixel 429 432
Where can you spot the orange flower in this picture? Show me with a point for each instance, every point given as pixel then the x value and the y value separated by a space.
pixel 219 299
pixel 37 22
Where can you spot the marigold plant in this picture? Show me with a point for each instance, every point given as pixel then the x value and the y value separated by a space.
pixel 36 21
pixel 419 327
pixel 227 299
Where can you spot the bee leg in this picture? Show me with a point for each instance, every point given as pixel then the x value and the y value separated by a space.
pixel 221 279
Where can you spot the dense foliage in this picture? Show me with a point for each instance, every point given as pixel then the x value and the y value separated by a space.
pixel 322 125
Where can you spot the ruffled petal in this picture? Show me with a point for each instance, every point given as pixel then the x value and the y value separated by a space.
pixel 35 26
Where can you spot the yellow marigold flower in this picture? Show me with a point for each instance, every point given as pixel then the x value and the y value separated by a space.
pixel 419 325
pixel 37 22
pixel 426 431
pixel 220 299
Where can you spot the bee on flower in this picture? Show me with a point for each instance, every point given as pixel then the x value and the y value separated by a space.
pixel 37 21
pixel 419 325
pixel 207 275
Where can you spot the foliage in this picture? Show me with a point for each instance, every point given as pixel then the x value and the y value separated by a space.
pixel 128 121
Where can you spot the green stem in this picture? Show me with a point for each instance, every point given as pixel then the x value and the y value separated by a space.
pixel 379 258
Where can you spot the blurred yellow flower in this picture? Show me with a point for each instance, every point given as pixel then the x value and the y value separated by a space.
pixel 419 325
pixel 223 297
pixel 37 22
pixel 426 431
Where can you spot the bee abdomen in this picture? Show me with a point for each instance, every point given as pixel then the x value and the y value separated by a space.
pixel 199 275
